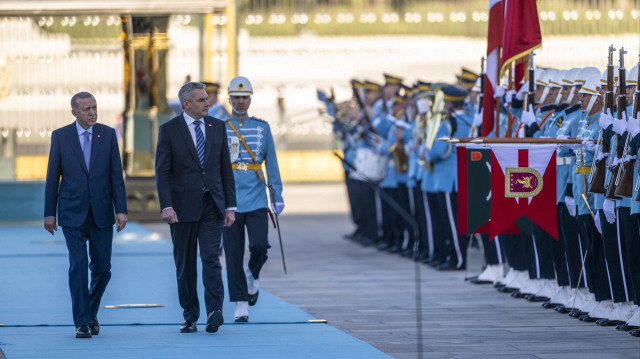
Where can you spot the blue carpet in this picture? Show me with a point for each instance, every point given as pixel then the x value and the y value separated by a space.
pixel 36 319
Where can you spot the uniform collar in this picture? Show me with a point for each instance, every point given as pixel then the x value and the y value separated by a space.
pixel 242 119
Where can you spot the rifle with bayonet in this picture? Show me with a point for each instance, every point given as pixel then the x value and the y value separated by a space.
pixel 622 108
pixel 598 168
pixel 624 180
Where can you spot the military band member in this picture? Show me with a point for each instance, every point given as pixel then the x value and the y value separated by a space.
pixel 250 146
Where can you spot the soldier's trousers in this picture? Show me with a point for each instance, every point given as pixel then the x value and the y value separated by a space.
pixel 542 266
pixel 631 225
pixel 516 249
pixel 365 200
pixel 256 224
pixel 615 252
pixel 492 251
pixel 568 230
pixel 558 246
pixel 420 217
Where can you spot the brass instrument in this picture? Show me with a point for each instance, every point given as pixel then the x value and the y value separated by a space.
pixel 622 108
pixel 624 180
pixel 400 156
pixel 598 168
pixel 433 119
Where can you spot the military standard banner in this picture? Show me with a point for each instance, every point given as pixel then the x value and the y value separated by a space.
pixel 523 183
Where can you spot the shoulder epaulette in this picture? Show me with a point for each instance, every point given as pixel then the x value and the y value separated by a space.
pixel 548 107
pixel 572 109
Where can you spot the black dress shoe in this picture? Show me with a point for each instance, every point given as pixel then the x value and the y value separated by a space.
pixel 407 253
pixel 94 326
pixel 214 321
pixel 188 327
pixel 518 294
pixel 608 322
pixel 446 266
pixel 383 245
pixel 242 319
pixel 575 313
pixel 635 332
pixel 626 327
pixel 537 298
pixel 253 298
pixel 83 332
pixel 549 305
pixel 587 318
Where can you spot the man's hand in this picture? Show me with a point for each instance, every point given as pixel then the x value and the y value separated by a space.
pixel 529 117
pixel 169 215
pixel 50 224
pixel 609 209
pixel 606 119
pixel 589 145
pixel 121 221
pixel 229 218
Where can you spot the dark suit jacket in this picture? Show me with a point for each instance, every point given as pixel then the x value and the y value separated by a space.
pixel 71 187
pixel 179 175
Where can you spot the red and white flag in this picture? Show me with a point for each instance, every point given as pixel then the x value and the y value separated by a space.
pixel 521 32
pixel 523 183
pixel 494 41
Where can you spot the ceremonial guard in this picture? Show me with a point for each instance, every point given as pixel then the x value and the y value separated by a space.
pixel 216 109
pixel 251 147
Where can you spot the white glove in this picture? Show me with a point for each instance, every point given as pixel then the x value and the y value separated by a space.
pixel 523 89
pixel 620 125
pixel 509 95
pixel 597 222
pixel 499 92
pixel 633 126
pixel 589 145
pixel 606 119
pixel 562 137
pixel 477 119
pixel 423 105
pixel 277 207
pixel 571 205
pixel 529 117
pixel 609 209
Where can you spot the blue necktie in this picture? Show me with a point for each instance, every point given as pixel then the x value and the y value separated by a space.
pixel 199 142
pixel 86 148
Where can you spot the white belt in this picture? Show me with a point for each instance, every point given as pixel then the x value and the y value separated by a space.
pixel 561 161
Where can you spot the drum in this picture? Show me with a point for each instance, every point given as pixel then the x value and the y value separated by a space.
pixel 370 166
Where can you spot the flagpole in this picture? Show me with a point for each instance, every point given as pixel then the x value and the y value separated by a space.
pixel 490 140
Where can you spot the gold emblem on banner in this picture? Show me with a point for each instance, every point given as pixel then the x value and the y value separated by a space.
pixel 522 182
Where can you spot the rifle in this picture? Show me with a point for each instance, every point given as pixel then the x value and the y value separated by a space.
pixel 529 100
pixel 598 168
pixel 624 180
pixel 622 108
pixel 480 98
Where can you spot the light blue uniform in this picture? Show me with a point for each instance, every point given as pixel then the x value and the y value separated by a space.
pixel 251 193
pixel 588 127
pixel 219 111
pixel 565 161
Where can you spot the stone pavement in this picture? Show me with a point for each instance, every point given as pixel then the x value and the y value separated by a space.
pixel 371 295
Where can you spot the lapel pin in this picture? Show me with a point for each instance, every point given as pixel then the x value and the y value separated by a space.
pixel 98 136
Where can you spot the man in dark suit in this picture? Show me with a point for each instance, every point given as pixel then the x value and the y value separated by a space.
pixel 84 183
pixel 197 196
